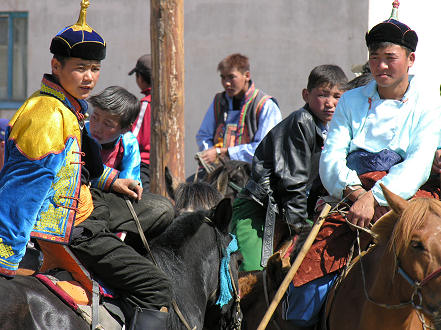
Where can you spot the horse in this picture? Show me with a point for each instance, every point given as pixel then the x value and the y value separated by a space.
pixel 229 177
pixel 396 283
pixel 190 251
pixel 257 289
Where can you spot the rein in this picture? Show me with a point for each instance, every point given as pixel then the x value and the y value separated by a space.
pixel 146 245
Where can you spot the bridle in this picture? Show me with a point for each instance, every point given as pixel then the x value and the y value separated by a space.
pixel 416 299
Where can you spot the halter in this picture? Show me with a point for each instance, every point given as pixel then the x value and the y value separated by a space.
pixel 416 299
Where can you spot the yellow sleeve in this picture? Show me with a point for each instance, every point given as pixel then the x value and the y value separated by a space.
pixel 42 125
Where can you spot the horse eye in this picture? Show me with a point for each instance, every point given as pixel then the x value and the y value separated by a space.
pixel 417 245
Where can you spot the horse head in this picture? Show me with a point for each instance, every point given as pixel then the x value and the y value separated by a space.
pixel 414 229
pixel 198 253
pixel 230 177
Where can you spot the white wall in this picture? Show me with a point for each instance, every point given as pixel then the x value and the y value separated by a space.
pixel 284 40
pixel 423 16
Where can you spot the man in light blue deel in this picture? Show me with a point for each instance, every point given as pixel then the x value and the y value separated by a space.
pixel 391 115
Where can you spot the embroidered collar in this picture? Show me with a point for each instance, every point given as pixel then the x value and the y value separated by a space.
pixel 250 92
pixel 51 87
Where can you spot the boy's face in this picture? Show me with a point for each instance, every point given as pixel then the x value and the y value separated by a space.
pixel 322 101
pixel 389 66
pixel 104 127
pixel 77 76
pixel 235 82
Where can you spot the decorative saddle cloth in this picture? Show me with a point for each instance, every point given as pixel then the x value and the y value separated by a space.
pixel 73 284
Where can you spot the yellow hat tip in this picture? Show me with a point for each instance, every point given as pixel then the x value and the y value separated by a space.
pixel 82 18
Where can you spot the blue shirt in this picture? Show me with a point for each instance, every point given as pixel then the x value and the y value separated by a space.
pixel 270 116
pixel 362 120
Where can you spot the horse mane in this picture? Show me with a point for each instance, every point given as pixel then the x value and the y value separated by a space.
pixel 412 218
pixel 181 230
pixel 193 196
pixel 384 227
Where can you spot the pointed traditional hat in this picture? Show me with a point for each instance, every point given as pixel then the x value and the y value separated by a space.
pixel 392 30
pixel 79 40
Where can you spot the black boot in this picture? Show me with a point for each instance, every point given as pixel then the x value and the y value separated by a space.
pixel 148 319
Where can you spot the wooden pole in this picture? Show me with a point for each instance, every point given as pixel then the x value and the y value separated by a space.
pixel 167 125
pixel 295 266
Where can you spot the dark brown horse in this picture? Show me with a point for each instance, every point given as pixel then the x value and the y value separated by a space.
pixel 396 284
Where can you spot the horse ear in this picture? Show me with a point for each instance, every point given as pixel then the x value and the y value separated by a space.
pixel 170 183
pixel 395 202
pixel 222 215
pixel 222 183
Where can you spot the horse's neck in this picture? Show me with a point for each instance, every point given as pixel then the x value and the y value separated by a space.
pixel 385 286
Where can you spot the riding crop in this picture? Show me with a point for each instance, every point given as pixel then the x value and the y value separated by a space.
pixel 295 266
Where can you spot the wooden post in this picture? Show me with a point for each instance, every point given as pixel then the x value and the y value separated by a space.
pixel 167 125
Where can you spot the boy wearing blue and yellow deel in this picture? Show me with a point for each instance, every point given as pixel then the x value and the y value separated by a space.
pixel 49 161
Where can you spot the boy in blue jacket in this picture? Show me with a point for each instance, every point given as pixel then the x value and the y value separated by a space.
pixel 114 111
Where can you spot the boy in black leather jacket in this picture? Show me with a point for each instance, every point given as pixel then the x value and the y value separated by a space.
pixel 285 169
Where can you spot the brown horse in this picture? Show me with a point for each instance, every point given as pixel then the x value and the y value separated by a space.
pixel 257 289
pixel 396 284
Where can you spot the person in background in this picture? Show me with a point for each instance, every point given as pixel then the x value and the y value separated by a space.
pixel 141 126
pixel 239 117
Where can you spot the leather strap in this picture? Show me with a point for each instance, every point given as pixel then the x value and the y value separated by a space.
pixel 268 232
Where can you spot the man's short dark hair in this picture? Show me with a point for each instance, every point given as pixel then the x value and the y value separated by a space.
pixel 117 101
pixel 61 59
pixel 327 74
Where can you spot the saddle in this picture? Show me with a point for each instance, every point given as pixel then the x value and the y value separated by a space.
pixel 65 276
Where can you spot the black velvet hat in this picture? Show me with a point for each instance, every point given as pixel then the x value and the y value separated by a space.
pixel 79 40
pixel 393 31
